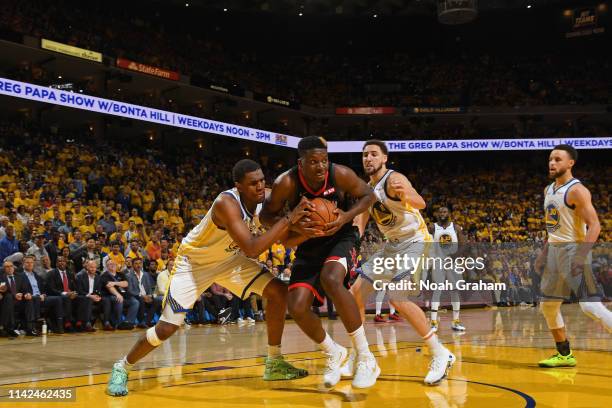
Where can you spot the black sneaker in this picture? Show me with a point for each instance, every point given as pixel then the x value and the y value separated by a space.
pixel 125 326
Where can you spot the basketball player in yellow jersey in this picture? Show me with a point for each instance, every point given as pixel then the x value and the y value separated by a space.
pixel 573 228
pixel 397 216
pixel 222 249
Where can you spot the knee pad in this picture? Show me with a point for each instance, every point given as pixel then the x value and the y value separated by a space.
pixel 152 337
pixel 552 314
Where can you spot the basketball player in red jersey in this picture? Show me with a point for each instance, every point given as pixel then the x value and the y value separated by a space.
pixel 325 259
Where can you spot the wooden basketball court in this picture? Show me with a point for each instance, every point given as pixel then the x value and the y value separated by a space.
pixel 222 366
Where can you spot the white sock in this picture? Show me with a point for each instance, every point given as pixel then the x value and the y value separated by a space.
pixel 456 307
pixel 433 343
pixel 328 345
pixel 360 342
pixel 125 363
pixel 391 309
pixel 274 351
pixel 434 310
pixel 380 296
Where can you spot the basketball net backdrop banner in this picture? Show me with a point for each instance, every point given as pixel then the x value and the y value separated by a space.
pixel 44 94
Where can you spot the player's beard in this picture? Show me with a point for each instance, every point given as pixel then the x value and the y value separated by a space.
pixel 557 174
pixel 376 169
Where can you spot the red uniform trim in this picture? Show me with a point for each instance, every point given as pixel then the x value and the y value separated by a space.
pixel 309 286
pixel 305 184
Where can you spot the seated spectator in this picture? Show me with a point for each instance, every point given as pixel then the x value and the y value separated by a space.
pixel 278 254
pixel 154 246
pixel 62 284
pixel 108 222
pixel 152 270
pixel 38 252
pixel 88 253
pixel 114 288
pixel 35 291
pixel 9 244
pixel 116 256
pixel 77 243
pixel 225 300
pixel 10 303
pixel 141 287
pixel 205 303
pixel 88 286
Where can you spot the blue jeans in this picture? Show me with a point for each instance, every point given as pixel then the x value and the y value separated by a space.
pixel 131 304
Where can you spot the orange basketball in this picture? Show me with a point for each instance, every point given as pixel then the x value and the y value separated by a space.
pixel 323 211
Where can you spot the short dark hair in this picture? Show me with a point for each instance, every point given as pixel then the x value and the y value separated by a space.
pixel 310 143
pixel 243 167
pixel 376 142
pixel 571 150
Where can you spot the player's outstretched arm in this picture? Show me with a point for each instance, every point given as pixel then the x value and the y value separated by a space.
pixel 348 181
pixel 401 188
pixel 227 214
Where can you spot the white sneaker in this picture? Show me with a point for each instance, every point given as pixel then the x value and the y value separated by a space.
pixel 366 371
pixel 331 373
pixel 456 325
pixel 348 367
pixel 240 320
pixel 439 366
pixel 250 320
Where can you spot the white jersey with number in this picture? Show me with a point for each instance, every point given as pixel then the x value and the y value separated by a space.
pixel 446 239
pixel 562 223
pixel 397 221
pixel 209 244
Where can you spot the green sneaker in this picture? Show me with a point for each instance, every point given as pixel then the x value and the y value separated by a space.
pixel 117 384
pixel 278 369
pixel 558 360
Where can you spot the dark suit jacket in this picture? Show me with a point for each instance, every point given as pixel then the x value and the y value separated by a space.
pixel 27 287
pixel 82 284
pixel 134 288
pixel 55 285
pixel 19 283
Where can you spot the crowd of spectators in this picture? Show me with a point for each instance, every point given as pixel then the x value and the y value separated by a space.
pixel 330 80
pixel 89 231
